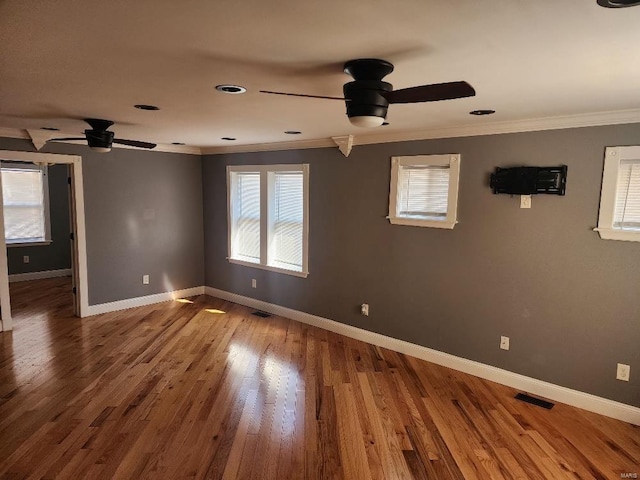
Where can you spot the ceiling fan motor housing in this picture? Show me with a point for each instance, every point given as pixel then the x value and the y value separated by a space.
pixel 365 98
pixel 99 138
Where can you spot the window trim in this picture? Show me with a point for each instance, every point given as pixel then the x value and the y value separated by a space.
pixel 450 160
pixel 264 171
pixel 612 158
pixel 24 242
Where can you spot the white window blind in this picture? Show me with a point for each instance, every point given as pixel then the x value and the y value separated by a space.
pixel 619 216
pixel 245 216
pixel 627 207
pixel 268 209
pixel 423 191
pixel 286 232
pixel 25 204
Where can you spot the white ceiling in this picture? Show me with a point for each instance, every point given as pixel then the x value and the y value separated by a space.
pixel 69 59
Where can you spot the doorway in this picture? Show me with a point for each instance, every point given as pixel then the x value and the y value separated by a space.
pixel 78 237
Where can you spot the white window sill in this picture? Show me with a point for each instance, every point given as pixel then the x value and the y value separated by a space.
pixel 269 268
pixel 414 222
pixel 30 244
pixel 617 234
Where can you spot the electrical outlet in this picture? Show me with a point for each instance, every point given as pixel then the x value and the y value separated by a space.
pixel 623 372
pixel 145 279
pixel 364 309
pixel 25 259
pixel 525 201
pixel 254 283
pixel 504 343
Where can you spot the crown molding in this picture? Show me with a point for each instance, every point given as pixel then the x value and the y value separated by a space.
pixel 619 117
pixel 161 147
pixel 170 148
pixel 267 147
pixel 13 133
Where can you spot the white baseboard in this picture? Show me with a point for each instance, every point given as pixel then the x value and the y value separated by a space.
pixel 586 401
pixel 142 301
pixel 22 277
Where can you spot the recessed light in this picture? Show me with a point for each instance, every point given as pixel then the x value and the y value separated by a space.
pixel 177 143
pixel 228 138
pixel 482 112
pixel 618 3
pixel 292 132
pixel 147 107
pixel 51 129
pixel 231 89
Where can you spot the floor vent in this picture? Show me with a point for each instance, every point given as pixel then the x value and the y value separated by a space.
pixel 261 314
pixel 534 401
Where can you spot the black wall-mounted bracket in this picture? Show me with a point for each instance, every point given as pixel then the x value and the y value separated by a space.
pixel 529 180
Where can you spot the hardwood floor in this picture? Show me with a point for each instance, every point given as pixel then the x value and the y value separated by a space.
pixel 207 390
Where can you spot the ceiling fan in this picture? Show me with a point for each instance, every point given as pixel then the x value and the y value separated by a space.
pixel 368 97
pixel 100 139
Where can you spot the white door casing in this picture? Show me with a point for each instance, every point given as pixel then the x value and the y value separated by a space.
pixel 77 220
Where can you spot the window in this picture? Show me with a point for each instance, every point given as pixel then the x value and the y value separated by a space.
pixel 25 195
pixel 424 190
pixel 619 217
pixel 268 217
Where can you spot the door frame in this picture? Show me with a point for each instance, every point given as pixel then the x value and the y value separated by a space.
pixel 77 222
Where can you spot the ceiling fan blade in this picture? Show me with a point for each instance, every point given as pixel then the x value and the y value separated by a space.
pixel 134 143
pixel 431 93
pixel 67 139
pixel 302 95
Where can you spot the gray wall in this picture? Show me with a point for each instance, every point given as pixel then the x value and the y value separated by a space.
pixel 143 214
pixel 57 255
pixel 569 301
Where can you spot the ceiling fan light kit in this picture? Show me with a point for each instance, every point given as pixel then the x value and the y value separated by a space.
pixel 101 149
pixel 366 121
pixel 99 140
pixel 366 105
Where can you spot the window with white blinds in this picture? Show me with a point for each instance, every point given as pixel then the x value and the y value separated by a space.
pixel 424 190
pixel 245 216
pixel 627 212
pixel 268 217
pixel 619 217
pixel 287 217
pixel 26 203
